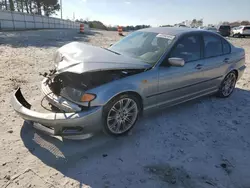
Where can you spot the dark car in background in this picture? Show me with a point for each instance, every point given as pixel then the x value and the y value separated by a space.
pixel 224 30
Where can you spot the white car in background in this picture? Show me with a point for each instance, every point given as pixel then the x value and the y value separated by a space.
pixel 241 31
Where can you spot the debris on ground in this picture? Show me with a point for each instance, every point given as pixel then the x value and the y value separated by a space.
pixel 10 131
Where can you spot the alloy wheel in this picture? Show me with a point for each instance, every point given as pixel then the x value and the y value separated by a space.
pixel 229 84
pixel 122 115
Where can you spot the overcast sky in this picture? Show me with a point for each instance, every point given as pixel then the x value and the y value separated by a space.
pixel 156 12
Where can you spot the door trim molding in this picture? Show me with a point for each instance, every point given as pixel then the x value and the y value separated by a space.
pixel 182 87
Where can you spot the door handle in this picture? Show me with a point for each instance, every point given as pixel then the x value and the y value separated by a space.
pixel 199 66
pixel 226 60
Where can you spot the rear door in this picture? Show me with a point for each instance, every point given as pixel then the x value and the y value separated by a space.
pixel 216 60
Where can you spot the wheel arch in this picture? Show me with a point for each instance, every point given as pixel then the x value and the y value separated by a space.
pixel 233 70
pixel 137 95
pixel 236 72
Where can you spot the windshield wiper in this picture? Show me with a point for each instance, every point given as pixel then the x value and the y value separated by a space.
pixel 112 51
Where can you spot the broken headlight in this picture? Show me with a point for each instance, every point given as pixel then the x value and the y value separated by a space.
pixel 77 95
pixel 72 93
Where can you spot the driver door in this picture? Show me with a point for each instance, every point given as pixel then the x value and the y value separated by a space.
pixel 179 84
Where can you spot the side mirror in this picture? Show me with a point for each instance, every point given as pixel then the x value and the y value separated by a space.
pixel 177 62
pixel 110 44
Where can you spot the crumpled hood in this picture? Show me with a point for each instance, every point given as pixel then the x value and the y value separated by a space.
pixel 80 57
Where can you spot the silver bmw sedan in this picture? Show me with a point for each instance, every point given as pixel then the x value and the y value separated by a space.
pixel 93 88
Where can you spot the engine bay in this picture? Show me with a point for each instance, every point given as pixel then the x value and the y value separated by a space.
pixel 85 81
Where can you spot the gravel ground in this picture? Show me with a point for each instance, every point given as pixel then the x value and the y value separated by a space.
pixel 203 143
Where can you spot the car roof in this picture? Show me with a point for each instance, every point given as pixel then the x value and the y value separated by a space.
pixel 176 31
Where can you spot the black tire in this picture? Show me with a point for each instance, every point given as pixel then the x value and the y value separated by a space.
pixel 107 109
pixel 221 92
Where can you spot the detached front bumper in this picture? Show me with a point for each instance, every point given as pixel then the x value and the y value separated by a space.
pixel 61 124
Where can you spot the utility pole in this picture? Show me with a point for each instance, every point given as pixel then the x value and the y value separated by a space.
pixel 61 8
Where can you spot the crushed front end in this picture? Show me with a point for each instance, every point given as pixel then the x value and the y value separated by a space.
pixel 66 117
pixel 78 69
pixel 71 112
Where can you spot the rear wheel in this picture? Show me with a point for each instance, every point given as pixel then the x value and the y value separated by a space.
pixel 227 86
pixel 121 114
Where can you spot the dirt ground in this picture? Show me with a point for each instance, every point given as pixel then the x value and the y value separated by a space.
pixel 200 144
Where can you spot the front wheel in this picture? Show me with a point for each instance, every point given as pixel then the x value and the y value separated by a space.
pixel 120 114
pixel 227 86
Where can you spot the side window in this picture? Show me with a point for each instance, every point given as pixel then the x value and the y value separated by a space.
pixel 212 46
pixel 188 48
pixel 226 47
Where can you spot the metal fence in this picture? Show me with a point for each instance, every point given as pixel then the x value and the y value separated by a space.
pixel 10 20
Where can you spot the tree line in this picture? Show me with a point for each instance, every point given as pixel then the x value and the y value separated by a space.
pixel 99 25
pixel 197 23
pixel 129 28
pixel 40 7
pixel 237 23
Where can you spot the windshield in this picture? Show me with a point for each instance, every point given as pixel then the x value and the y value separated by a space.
pixel 146 46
